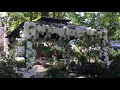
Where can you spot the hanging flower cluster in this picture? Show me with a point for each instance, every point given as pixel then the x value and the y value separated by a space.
pixel 31 33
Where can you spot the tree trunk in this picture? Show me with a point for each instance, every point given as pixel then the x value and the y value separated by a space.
pixel 53 14
pixel 63 14
pixel 46 14
pixel 30 16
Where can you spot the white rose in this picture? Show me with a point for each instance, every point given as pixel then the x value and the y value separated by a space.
pixel 29 45
pixel 91 31
pixel 26 35
pixel 105 53
pixel 32 24
pixel 39 28
pixel 20 51
pixel 26 25
pixel 33 32
pixel 43 28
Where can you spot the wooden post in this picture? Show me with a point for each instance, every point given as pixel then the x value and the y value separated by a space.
pixel 30 16
pixel 46 14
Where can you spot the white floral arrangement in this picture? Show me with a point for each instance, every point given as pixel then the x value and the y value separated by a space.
pixel 31 33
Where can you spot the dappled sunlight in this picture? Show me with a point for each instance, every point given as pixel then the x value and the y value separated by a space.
pixel 86 46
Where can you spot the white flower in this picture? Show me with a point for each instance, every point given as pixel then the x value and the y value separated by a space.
pixel 26 25
pixel 43 28
pixel 34 52
pixel 109 63
pixel 31 60
pixel 20 51
pixel 105 37
pixel 105 48
pixel 26 35
pixel 15 68
pixel 100 54
pixel 32 24
pixel 105 53
pixel 35 37
pixel 29 45
pixel 100 34
pixel 33 32
pixel 39 28
pixel 28 53
pixel 91 31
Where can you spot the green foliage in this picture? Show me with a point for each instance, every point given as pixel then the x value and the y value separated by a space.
pixel 16 18
pixel 115 65
pixel 100 20
pixel 21 64
pixel 13 19
pixel 7 65
pixel 57 71
pixel 114 55
pixel 54 72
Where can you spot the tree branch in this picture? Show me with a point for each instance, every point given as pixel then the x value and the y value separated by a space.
pixel 63 14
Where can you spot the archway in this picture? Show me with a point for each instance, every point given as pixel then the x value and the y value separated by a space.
pixel 34 33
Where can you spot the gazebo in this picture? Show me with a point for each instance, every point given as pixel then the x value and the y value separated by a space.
pixel 47 28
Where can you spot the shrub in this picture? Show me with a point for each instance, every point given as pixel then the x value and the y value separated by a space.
pixel 115 66
pixel 56 71
pixel 20 64
pixel 7 65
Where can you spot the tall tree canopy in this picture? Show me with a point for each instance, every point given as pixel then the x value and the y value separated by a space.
pixel 15 18
pixel 107 20
pixel 101 20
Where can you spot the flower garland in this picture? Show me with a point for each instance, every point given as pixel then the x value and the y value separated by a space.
pixel 32 31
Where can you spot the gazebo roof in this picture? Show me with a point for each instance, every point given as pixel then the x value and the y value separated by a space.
pixel 60 23
pixel 54 20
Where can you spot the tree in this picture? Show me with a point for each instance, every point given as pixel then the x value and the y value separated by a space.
pixel 16 18
pixel 101 20
pixel 44 14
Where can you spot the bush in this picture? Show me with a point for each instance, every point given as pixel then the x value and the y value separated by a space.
pixel 7 65
pixel 56 71
pixel 114 55
pixel 115 66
